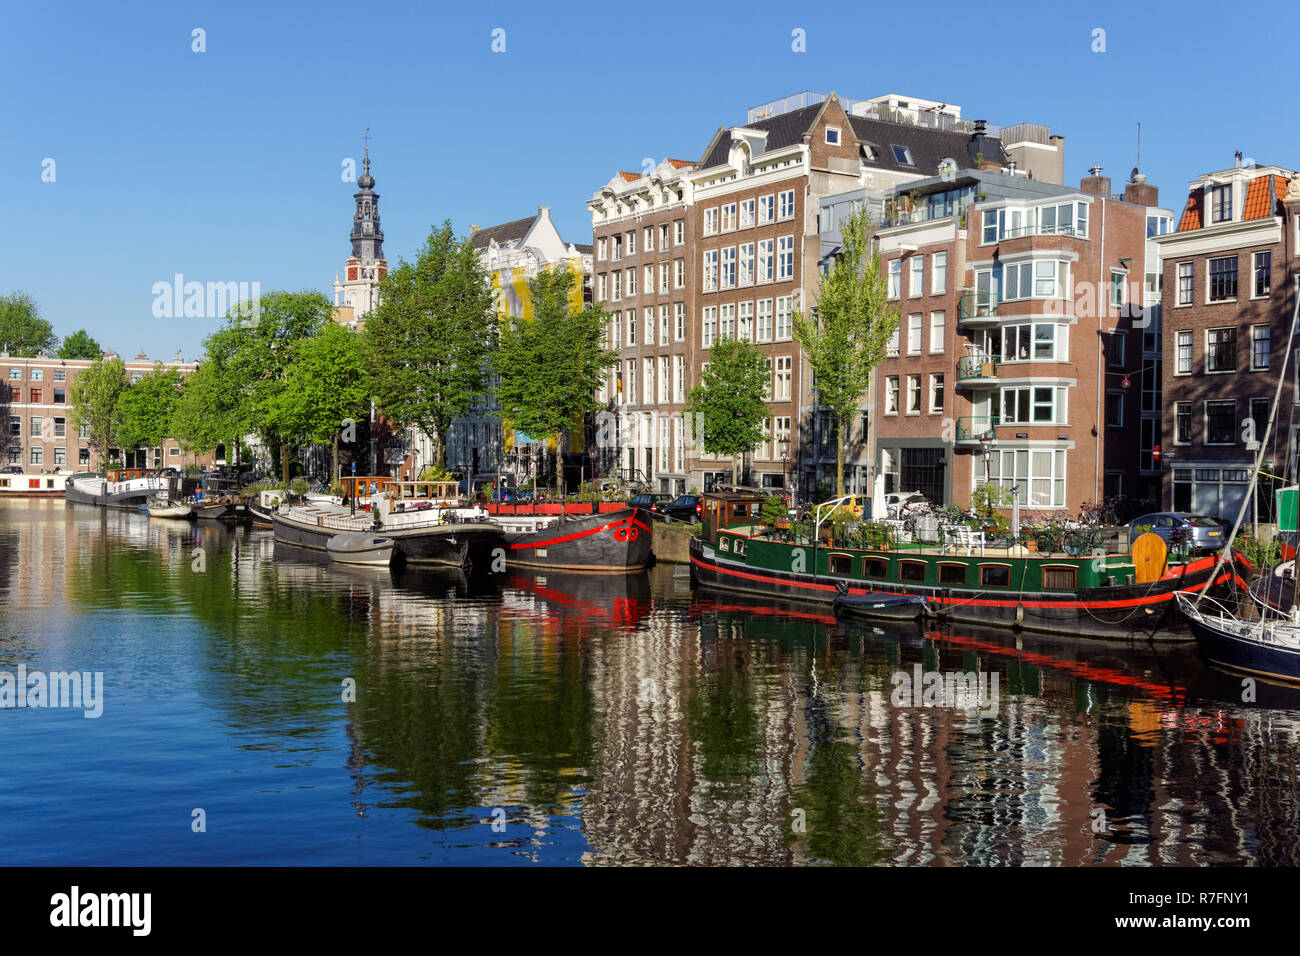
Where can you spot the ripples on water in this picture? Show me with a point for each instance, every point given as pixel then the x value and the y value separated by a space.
pixel 578 719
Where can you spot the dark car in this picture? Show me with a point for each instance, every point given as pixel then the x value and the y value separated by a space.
pixel 650 502
pixel 685 508
pixel 11 470
pixel 1201 532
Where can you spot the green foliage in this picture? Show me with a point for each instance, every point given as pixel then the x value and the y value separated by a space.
pixel 1261 554
pixel 729 403
pixel 206 414
pixel 772 510
pixel 429 342
pixel 146 408
pixel 22 330
pixel 191 471
pixel 298 487
pixel 79 345
pixel 987 499
pixel 435 473
pixel 551 366
pixel 590 491
pixel 94 399
pixel 336 489
pixel 850 330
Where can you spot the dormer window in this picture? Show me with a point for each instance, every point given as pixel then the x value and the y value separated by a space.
pixel 1221 203
pixel 832 135
pixel 903 155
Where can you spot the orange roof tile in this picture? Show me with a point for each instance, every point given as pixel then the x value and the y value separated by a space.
pixel 679 163
pixel 1192 214
pixel 629 177
pixel 1262 196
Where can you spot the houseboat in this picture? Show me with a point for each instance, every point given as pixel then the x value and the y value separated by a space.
pixel 32 486
pixel 604 538
pixel 122 488
pixel 1110 595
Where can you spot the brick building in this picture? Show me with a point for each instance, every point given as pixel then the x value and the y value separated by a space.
pixel 39 434
pixel 1228 297
pixel 1018 358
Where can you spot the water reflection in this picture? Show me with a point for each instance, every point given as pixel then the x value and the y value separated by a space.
pixel 586 719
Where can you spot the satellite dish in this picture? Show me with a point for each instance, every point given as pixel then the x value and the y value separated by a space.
pixel 1133 175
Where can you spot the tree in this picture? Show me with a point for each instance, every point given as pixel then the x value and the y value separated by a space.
pixel 206 414
pixel 22 330
pixel 552 364
pixel 849 331
pixel 95 397
pixel 429 342
pixel 79 345
pixel 729 402
pixel 147 408
pixel 326 384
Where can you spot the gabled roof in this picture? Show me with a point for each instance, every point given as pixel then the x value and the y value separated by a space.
pixel 1263 194
pixel 784 129
pixel 502 234
pixel 1192 212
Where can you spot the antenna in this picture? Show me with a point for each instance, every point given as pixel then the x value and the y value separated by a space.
pixel 366 138
pixel 1139 165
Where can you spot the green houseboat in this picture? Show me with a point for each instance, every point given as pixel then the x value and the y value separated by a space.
pixel 1109 595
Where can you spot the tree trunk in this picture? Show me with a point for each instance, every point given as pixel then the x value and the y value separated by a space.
pixel 334 468
pixel 284 463
pixel 839 458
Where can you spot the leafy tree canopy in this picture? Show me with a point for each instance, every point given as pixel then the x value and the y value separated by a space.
pixel 22 330
pixel 80 345
pixel 729 401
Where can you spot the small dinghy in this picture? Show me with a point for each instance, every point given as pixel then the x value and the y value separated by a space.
pixel 166 508
pixel 880 604
pixel 366 549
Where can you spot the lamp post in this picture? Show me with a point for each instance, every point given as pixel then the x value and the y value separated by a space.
pixel 987 446
pixel 785 462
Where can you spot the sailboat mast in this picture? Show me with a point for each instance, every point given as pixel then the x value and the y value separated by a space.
pixel 1263 445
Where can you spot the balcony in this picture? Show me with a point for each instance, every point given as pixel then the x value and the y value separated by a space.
pixel 926 212
pixel 1037 229
pixel 977 369
pixel 977 428
pixel 978 307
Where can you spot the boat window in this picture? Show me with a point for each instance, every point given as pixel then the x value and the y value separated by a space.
pixel 875 567
pixel 911 571
pixel 952 573
pixel 841 564
pixel 995 576
pixel 724 544
pixel 739 547
pixel 1060 578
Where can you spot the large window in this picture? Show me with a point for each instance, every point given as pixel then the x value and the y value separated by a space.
pixel 728 268
pixel 746 213
pixel 891 395
pixel 766 260
pixel 1040 279
pixel 936 331
pixel 1223 278
pixel 1221 203
pixel 764 320
pixel 1040 474
pixel 785 209
pixel 1114 409
pixel 1221 350
pixel 784 364
pixel 1186 271
pixel 711 270
pixel 1182 423
pixel 1030 405
pixel 916 276
pixel 711 221
pixel 785 257
pixel 914 334
pixel 1024 343
pixel 936 393
pixel 1262 266
pixel 1183 358
pixel 939 273
pixel 1259 347
pixel 1220 422
pixel 913 394
pixel 766 209
pixel 895 277
pixel 746 263
pixel 708 326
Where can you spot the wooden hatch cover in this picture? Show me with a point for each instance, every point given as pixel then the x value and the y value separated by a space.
pixel 1149 553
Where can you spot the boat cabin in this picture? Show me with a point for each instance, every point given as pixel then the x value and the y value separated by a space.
pixel 363 486
pixel 725 509
pixel 437 491
pixel 130 474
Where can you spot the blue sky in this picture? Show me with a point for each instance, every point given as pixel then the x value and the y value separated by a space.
pixel 225 165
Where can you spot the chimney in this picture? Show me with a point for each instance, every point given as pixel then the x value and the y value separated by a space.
pixel 1095 184
pixel 1141 193
pixel 1238 157
pixel 474 229
pixel 544 212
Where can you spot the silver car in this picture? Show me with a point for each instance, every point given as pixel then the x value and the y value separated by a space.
pixel 1202 533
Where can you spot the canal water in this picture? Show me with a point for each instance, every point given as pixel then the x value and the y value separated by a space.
pixel 259 707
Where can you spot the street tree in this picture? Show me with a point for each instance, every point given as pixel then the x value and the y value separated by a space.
pixel 94 398
pixel 551 365
pixel 429 342
pixel 22 330
pixel 147 408
pixel 849 330
pixel 80 345
pixel 728 407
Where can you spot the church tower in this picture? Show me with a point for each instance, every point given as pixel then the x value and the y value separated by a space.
pixel 367 265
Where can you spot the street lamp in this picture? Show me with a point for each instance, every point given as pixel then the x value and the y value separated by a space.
pixel 785 462
pixel 987 447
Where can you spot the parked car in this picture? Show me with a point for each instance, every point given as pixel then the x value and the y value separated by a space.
pixel 857 505
pixel 648 501
pixel 11 470
pixel 1203 533
pixel 898 502
pixel 684 508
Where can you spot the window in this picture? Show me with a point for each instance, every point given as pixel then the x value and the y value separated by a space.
pixel 34 427
pixel 936 393
pixel 913 571
pixel 1263 269
pixel 784 364
pixel 1060 579
pixel 679 273
pixel 952 574
pixel 1114 409
pixel 764 320
pixel 36 396
pixel 766 209
pixel 939 273
pixel 60 455
pixel 631 243
pixel 679 232
pixel 914 334
pixel 1259 347
pixel 745 322
pixel 784 304
pixel 648 239
pixel 728 268
pixel 1182 423
pixel 995 576
pixel 891 395
pixel 631 380
pixel 37 374
pixel 1221 203
pixel 746 213
pixel 1117 288
pixel 832 135
pixel 663 325
pixel 60 375
pixel 663 386
pixel 913 394
pixel 649 325
pixel 903 155
pixel 916 280
pixel 785 257
pixel 711 270
pixel 709 326
pixel 1221 350
pixel 679 321
pixel 989 233
pixel 600 249
pixel 936 331
pixel 15 426
pixel 601 287
pixel 1039 474
pixel 1220 422
pixel 729 217
pixel 767 383
pixel 1223 278
pixel 663 278
pixel 83 455
pixel 15 375
pixel 1115 342
pixel 1183 357
pixel 746 264
pixel 1040 279
pixel 1185 280
pixel 617 249
pixel 679 378
pixel 38 455
pixel 60 428
pixel 727 321
pixel 785 209
pixel 1024 343
pixel 766 259
pixel 631 326
pixel 891 347
pixel 1259 415
pixel 648 280
pixel 895 277
pixel 1033 405
pixel 711 221
pixel 616 284
pixel 136 376
pixel 629 282
pixel 663 237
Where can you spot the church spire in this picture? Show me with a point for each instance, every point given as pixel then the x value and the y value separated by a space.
pixel 367 236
